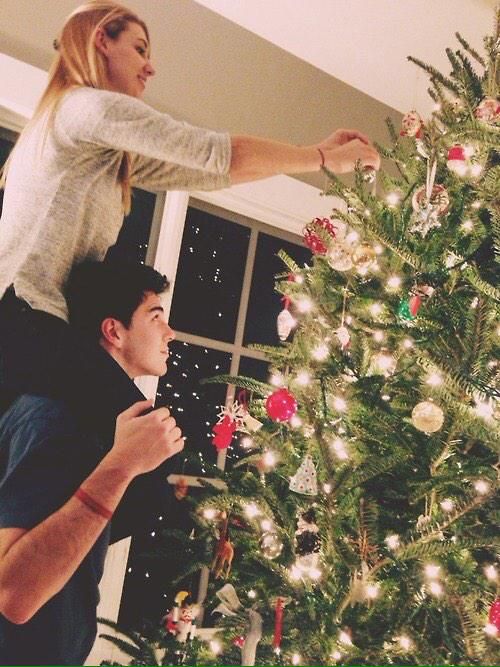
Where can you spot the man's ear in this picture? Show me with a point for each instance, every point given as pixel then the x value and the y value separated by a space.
pixel 101 42
pixel 111 330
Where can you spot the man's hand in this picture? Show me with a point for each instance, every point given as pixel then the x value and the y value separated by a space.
pixel 344 148
pixel 144 441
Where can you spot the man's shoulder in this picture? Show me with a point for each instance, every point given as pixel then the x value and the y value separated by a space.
pixel 42 414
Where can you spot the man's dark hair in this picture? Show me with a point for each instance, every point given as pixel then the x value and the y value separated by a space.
pixel 97 290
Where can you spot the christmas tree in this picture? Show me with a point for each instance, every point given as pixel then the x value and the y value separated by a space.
pixel 362 514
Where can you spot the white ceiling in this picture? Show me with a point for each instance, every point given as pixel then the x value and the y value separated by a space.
pixel 364 43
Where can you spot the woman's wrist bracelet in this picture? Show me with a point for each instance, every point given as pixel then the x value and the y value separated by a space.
pixel 92 504
pixel 322 158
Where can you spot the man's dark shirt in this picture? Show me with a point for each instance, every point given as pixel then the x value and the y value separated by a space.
pixel 48 446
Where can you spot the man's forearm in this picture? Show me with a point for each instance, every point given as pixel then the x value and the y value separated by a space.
pixel 43 559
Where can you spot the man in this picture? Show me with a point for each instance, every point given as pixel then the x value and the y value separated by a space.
pixel 64 469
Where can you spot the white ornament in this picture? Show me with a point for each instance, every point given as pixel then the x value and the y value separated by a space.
pixel 427 417
pixel 344 337
pixel 339 257
pixel 305 479
pixel 285 323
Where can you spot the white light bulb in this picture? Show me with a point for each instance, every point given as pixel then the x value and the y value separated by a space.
pixel 432 571
pixel 299 279
pixel 296 659
pixel 345 638
pixel 294 573
pixel 246 442
pixel 314 573
pixel 348 319
pixel 295 422
pixel 404 642
pixel 491 572
pixel 215 647
pixel 378 249
pixel 468 150
pixel 376 309
pixel 482 486
pixel 321 352
pixel 476 204
pixel 434 379
pixel 336 655
pixel 303 378
pixel 491 630
pixel 277 380
pixel 372 591
pixel 252 594
pixel 352 237
pixel 385 363
pixel 392 541
pixel 209 513
pixel 339 404
pixel 393 283
pixel 476 169
pixel 447 505
pixel 467 226
pixel 378 336
pixel 407 343
pixel 304 305
pixel 393 198
pixel 251 511
pixel 435 588
pixel 484 409
pixel 266 524
pixel 327 488
pixel 269 459
pixel 339 449
pixel 385 397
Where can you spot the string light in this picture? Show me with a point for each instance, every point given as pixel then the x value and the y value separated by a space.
pixel 251 510
pixel 295 421
pixel 491 630
pixel 277 380
pixel 405 642
pixel 491 572
pixel 296 659
pixel 252 594
pixel 376 309
pixel 393 198
pixel 336 655
pixel 447 505
pixel 476 169
pixel 392 541
pixel 482 486
pixel 435 588
pixel 304 305
pixel 372 591
pixel 209 513
pixel 327 488
pixel 378 249
pixel 434 379
pixel 484 409
pixel 298 278
pixel 247 442
pixel 352 237
pixel 393 283
pixel 407 343
pixel 432 571
pixel 215 647
pixel 303 378
pixel 269 459
pixel 467 226
pixel 339 404
pixel 345 638
pixel 294 573
pixel 321 352
pixel 339 449
pixel 378 336
pixel 266 524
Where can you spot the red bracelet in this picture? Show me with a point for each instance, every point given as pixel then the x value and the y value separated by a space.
pixel 93 504
pixel 322 157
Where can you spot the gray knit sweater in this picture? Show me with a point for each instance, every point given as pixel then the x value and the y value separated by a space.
pixel 62 200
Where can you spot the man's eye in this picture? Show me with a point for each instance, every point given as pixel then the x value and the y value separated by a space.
pixel 141 50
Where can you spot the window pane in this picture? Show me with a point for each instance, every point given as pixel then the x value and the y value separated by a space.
pixel 194 405
pixel 132 242
pixel 209 276
pixel 265 304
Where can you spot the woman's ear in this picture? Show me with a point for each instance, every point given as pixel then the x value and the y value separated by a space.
pixel 101 41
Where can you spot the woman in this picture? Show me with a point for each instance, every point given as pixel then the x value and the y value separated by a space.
pixel 68 180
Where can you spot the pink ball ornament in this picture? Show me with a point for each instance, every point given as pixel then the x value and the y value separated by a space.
pixel 281 405
pixel 494 614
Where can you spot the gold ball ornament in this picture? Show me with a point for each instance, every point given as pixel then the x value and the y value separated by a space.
pixel 427 417
pixel 270 545
pixel 339 257
pixel 363 256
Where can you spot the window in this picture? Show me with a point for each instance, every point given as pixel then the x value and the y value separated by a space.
pixel 223 301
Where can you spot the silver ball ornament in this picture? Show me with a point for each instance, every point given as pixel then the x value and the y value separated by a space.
pixel 427 417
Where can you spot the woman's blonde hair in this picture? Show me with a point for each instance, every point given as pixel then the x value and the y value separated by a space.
pixel 78 62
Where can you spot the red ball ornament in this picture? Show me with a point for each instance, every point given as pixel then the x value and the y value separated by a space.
pixel 311 238
pixel 456 160
pixel 494 615
pixel 281 405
